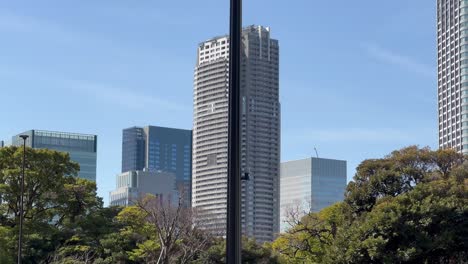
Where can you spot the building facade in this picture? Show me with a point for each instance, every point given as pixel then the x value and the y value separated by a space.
pixel 452 65
pixel 160 149
pixel 310 184
pixel 82 148
pixel 133 185
pixel 260 133
pixel 133 149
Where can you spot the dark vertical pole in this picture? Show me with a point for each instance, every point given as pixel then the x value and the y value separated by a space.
pixel 233 231
pixel 20 238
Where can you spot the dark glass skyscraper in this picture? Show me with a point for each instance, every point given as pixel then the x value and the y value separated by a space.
pixel 160 149
pixel 133 149
pixel 81 147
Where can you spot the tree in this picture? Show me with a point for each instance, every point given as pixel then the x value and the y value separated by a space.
pixel 311 234
pixel 85 237
pixel 426 225
pixel 396 174
pixel 45 177
pixel 137 238
pixel 63 217
pixel 44 180
pixel 178 238
pixel 409 207
pixel 5 245
pixel 252 253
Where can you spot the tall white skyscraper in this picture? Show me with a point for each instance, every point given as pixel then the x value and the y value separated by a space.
pixel 260 133
pixel 452 62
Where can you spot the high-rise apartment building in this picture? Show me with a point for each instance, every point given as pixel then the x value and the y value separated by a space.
pixel 160 149
pixel 81 147
pixel 452 65
pixel 310 184
pixel 260 133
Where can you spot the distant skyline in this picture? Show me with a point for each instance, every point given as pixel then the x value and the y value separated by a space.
pixel 357 79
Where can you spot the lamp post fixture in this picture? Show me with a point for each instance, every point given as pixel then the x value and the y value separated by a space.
pixel 20 237
pixel 233 230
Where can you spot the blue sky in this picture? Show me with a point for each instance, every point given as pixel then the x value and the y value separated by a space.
pixel 357 78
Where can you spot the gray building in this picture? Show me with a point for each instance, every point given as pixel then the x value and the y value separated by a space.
pixel 133 185
pixel 156 149
pixel 260 133
pixel 452 62
pixel 311 184
pixel 81 147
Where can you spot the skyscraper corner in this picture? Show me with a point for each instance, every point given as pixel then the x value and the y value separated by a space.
pixel 452 77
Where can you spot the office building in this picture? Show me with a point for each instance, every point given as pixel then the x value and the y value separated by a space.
pixel 311 184
pixel 452 65
pixel 160 149
pixel 133 149
pixel 260 133
pixel 81 147
pixel 134 185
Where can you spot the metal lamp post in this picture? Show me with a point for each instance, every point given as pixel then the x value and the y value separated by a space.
pixel 20 238
pixel 233 231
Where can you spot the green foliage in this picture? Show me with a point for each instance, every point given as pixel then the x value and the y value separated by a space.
pixel 252 252
pixel 63 218
pixel 425 224
pixel 44 181
pixel 145 252
pixel 409 207
pixel 137 238
pixel 309 240
pixel 6 243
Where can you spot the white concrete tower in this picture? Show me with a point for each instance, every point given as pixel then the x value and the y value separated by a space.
pixel 260 133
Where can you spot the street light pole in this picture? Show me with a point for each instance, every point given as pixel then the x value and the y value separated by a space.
pixel 20 238
pixel 233 231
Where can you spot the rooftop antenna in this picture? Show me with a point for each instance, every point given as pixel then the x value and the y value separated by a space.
pixel 316 153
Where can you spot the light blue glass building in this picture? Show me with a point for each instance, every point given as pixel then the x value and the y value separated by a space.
pixel 310 184
pixel 81 147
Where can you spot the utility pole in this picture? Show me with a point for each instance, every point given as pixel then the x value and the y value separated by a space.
pixel 20 237
pixel 233 230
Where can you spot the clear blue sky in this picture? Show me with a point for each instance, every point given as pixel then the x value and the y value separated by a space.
pixel 357 78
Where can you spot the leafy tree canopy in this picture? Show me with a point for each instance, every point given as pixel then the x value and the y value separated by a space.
pixel 408 207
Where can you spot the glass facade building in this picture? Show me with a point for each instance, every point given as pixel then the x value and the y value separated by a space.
pixel 133 149
pixel 452 68
pixel 160 149
pixel 311 184
pixel 82 148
